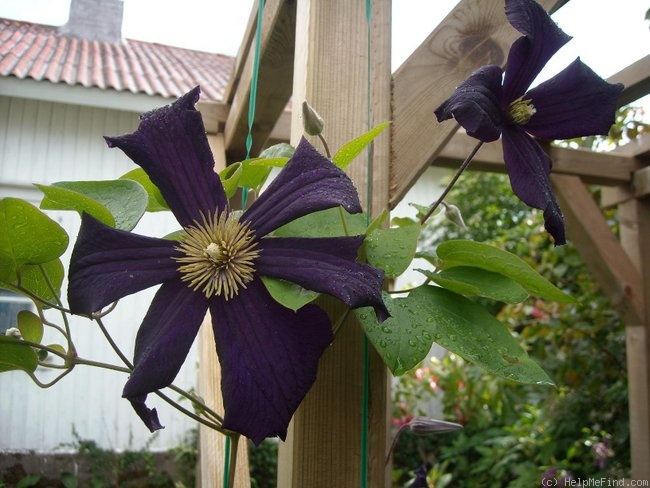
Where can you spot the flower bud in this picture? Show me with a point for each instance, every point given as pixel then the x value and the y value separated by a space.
pixel 14 332
pixel 426 426
pixel 311 121
pixel 452 212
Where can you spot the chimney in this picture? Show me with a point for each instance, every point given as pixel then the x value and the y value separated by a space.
pixel 95 20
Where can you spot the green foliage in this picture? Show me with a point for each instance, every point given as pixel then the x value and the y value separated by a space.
pixel 116 203
pixel 513 433
pixel 263 460
pixel 350 150
pixel 28 237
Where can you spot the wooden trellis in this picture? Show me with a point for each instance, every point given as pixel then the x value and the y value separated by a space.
pixel 317 50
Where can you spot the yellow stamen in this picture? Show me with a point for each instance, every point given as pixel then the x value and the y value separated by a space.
pixel 520 111
pixel 218 255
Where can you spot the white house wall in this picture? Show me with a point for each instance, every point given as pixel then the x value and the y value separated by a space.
pixel 45 142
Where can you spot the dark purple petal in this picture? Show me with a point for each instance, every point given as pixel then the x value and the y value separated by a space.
pixel 476 104
pixel 574 103
pixel 148 415
pixel 108 264
pixel 529 167
pixel 164 339
pixel 308 183
pixel 326 265
pixel 171 146
pixel 269 357
pixel 530 53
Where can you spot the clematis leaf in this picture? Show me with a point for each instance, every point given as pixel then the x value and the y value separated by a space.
pixel 433 314
pixel 156 202
pixel 467 329
pixel 351 150
pixel 28 237
pixel 16 356
pixel 230 178
pixel 32 279
pixel 403 340
pixel 378 221
pixel 484 256
pixel 282 150
pixel 268 162
pixel 325 223
pixel 392 249
pixel 253 176
pixel 30 326
pixel 116 203
pixel 290 295
pixel 471 281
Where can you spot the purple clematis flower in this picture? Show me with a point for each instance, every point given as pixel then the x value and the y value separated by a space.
pixel 268 353
pixel 574 103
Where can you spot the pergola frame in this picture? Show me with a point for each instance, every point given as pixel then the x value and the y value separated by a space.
pixel 316 50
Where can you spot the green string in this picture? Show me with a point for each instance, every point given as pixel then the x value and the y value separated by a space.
pixel 226 463
pixel 249 144
pixel 365 394
pixel 252 99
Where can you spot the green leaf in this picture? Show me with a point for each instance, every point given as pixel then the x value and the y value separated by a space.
pixel 325 223
pixel 484 256
pixel 472 281
pixel 28 237
pixel 281 150
pixel 31 278
pixel 351 150
pixel 432 314
pixel 290 295
pixel 30 326
pixel 392 249
pixel 467 329
pixel 16 356
pixel 155 201
pixel 117 203
pixel 253 176
pixel 403 340
pixel 269 162
pixel 230 178
pixel 378 221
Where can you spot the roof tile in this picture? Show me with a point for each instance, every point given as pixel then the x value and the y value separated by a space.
pixel 42 53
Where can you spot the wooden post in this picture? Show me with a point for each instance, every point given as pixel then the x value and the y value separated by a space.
pixel 634 218
pixel 323 448
pixel 212 444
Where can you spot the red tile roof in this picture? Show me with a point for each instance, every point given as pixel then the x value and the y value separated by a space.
pixel 39 52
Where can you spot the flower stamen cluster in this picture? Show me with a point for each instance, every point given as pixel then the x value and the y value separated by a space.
pixel 218 255
pixel 520 111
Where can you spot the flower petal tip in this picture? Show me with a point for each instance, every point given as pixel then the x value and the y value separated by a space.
pixel 148 415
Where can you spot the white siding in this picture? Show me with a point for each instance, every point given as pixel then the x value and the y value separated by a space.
pixel 45 142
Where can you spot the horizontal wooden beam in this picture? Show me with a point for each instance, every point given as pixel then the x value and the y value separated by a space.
pixel 215 114
pixel 476 32
pixel 600 249
pixel 274 84
pixel 592 167
pixel 636 78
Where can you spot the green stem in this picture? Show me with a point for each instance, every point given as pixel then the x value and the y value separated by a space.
pixel 112 343
pixel 327 148
pixel 64 314
pixel 193 399
pixel 51 383
pixel 462 168
pixel 38 299
pixel 343 222
pixel 233 460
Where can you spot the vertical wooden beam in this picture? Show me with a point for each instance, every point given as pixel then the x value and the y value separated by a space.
pixel 212 444
pixel 634 222
pixel 323 448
